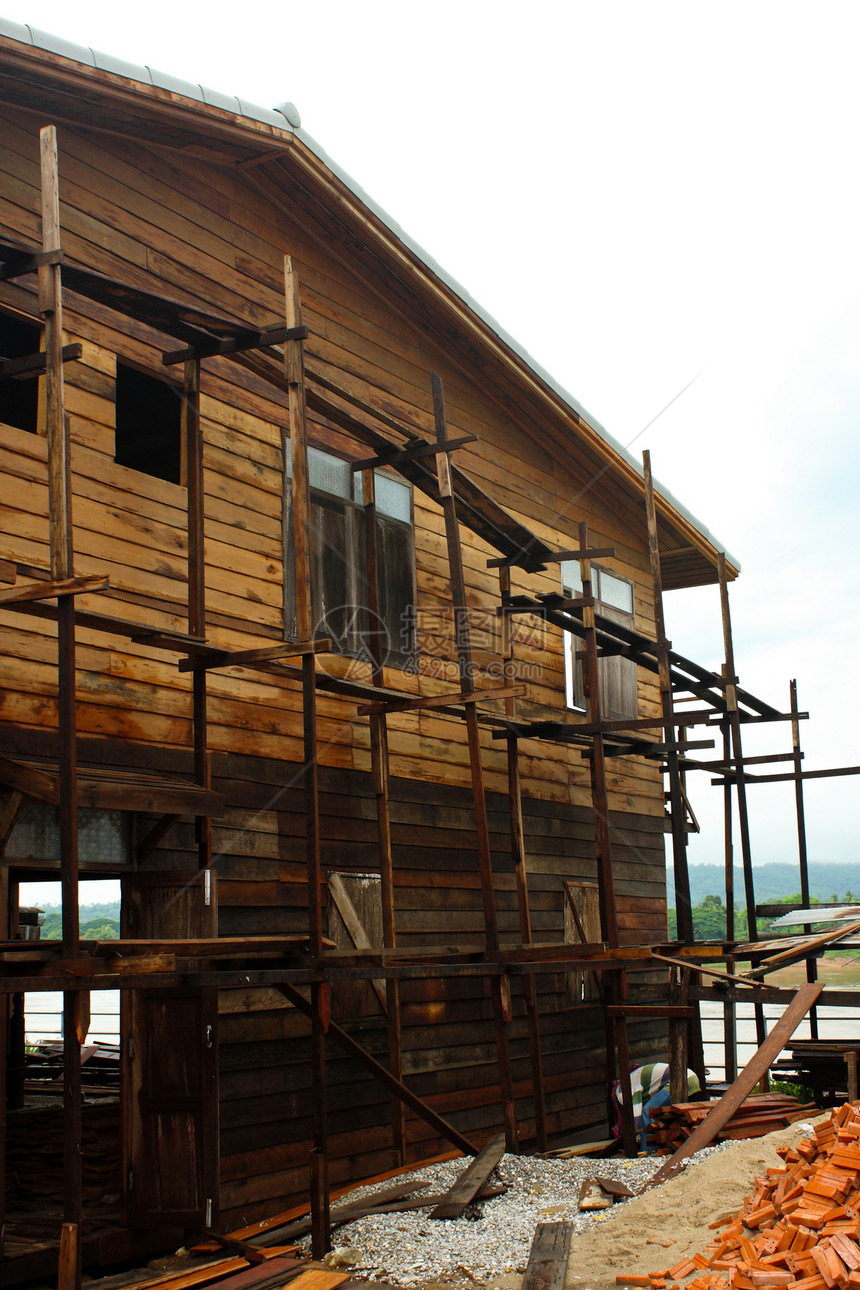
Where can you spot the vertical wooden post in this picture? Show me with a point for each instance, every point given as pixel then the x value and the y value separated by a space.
pixel 739 772
pixel 797 760
pixel 197 588
pixel 676 797
pixel 62 566
pixel 5 1001
pixel 597 759
pixel 301 518
pixel 679 989
pixel 500 985
pixel 380 769
pixel 616 988
pixel 730 1032
pixel 518 855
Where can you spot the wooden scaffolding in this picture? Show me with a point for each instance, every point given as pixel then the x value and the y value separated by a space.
pixel 304 968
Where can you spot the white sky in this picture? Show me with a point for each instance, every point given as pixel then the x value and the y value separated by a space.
pixel 639 193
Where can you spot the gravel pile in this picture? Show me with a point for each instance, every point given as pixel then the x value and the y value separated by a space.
pixel 491 1238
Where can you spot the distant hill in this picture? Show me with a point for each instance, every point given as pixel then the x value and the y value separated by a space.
pixel 774 881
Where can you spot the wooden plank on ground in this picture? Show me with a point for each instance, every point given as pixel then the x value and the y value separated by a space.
pixel 548 1257
pixel 346 1211
pixel 271 1273
pixel 373 1205
pixel 471 1179
pixel 318 1279
pixel 217 1268
pixel 754 1070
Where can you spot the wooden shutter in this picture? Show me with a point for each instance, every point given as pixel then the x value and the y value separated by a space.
pixel 618 698
pixel 169 1091
pixel 582 987
pixel 397 587
pixel 355 921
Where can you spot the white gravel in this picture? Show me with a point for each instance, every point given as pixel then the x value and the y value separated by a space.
pixel 491 1238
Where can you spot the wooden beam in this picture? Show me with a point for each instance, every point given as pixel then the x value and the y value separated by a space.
pixel 518 856
pixel 248 339
pixel 60 531
pixel 418 701
pixel 29 781
pixel 677 812
pixel 155 836
pixel 35 364
pixel 248 657
pixel 415 1103
pixel 555 557
pixel 8 819
pixel 463 1190
pixel 380 770
pixel 499 986
pixel 414 452
pixel 810 945
pixel 50 590
pixel 301 538
pixel 755 1069
pixel 19 262
pixel 548 1257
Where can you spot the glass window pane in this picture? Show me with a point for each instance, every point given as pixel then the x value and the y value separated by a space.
pixel 570 579
pixel 329 474
pixel 616 592
pixel 102 835
pixel 393 498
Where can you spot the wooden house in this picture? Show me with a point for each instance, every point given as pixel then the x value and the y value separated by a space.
pixel 454 844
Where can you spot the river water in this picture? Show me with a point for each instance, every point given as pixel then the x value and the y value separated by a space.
pixel 833 1023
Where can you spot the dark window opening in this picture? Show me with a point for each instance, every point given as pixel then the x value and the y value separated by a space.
pixel 19 395
pixel 148 424
pixel 338 562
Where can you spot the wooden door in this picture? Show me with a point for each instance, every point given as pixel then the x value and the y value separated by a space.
pixel 170 1066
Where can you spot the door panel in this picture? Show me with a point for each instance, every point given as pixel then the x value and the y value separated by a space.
pixel 170 1067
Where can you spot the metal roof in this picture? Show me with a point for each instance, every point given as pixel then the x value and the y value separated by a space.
pixel 286 117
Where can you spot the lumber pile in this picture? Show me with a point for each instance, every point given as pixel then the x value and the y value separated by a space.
pixel 758 1114
pixel 799 1228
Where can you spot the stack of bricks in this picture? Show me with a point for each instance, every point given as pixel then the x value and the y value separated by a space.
pixel 799 1228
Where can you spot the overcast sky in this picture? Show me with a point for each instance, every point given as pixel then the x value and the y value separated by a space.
pixel 641 194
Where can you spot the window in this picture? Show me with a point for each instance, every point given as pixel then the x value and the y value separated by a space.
pixel 355 922
pixel 338 554
pixel 104 838
pixel 19 396
pixel 582 926
pixel 616 675
pixel 148 424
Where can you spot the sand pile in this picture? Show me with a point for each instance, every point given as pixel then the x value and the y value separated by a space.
pixel 662 1226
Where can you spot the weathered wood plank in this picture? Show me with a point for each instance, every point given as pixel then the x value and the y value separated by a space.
pixel 547 1265
pixel 471 1179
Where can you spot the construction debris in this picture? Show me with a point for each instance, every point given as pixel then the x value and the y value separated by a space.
pixel 800 1227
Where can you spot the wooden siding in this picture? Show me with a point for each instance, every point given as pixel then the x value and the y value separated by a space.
pixel 193 229
pixel 201 231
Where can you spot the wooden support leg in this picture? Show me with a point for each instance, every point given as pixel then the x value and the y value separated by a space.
pixel 380 768
pixel 499 987
pixel 301 533
pixel 68 1273
pixel 628 1127
pixel 678 1059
